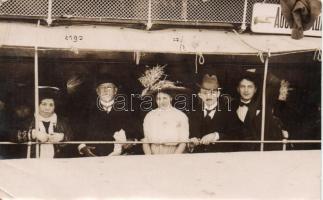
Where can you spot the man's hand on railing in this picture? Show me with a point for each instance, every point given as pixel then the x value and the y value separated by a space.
pixel 128 146
pixel 209 138
pixel 285 134
pixel 87 151
pixel 120 136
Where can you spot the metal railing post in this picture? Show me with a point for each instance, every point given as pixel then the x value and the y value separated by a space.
pixel 49 19
pixel 244 17
pixel 149 22
pixel 263 111
pixel 36 92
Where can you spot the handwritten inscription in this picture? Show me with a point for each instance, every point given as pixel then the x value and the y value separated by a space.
pixel 74 38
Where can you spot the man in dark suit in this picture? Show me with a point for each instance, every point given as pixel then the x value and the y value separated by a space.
pixel 208 123
pixel 245 120
pixel 245 116
pixel 108 121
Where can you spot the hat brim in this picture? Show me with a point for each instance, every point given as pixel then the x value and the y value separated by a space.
pixel 47 92
pixel 106 78
pixel 200 86
pixel 173 91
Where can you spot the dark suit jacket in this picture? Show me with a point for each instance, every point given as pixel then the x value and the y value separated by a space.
pixel 250 129
pixel 60 150
pixel 103 125
pixel 201 126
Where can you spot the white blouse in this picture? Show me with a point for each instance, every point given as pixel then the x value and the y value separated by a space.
pixel 166 125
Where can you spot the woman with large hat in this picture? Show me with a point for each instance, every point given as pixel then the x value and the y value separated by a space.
pixel 51 127
pixel 164 127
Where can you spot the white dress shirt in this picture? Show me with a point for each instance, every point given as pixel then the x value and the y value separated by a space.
pixel 107 106
pixel 242 111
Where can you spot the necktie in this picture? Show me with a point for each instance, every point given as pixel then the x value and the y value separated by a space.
pixel 208 113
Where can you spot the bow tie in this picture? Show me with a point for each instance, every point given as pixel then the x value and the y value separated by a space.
pixel 244 104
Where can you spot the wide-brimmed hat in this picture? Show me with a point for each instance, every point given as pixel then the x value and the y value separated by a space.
pixel 48 92
pixel 154 81
pixel 209 82
pixel 165 86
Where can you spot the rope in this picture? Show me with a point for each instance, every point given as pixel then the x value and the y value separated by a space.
pixel 260 51
pixel 317 55
pixel 199 59
pixel 261 57
pixel 174 142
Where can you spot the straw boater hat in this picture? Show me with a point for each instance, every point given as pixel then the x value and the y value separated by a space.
pixel 209 82
pixel 153 83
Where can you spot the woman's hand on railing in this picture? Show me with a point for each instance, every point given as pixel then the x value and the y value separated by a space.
pixel 22 136
pixel 42 137
pixel 195 141
pixel 56 137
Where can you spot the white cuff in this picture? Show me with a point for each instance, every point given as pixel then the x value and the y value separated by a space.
pixel 216 136
pixel 117 150
pixel 80 147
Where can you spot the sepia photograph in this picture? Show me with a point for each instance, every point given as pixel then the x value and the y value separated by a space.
pixel 160 99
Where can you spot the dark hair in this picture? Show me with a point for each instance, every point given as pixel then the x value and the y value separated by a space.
pixel 46 97
pixel 249 77
pixel 171 93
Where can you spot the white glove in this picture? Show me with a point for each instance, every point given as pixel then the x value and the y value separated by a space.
pixel 285 134
pixel 120 136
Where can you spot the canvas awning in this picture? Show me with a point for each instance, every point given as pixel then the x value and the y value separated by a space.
pixel 118 39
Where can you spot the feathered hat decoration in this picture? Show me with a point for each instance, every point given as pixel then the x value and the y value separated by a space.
pixel 154 80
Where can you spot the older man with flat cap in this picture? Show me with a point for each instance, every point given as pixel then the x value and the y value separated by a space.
pixel 208 123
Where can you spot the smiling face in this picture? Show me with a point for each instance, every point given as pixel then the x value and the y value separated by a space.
pixel 209 97
pixel 46 108
pixel 106 91
pixel 247 90
pixel 163 100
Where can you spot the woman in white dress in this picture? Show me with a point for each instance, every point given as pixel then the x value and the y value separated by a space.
pixel 164 127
